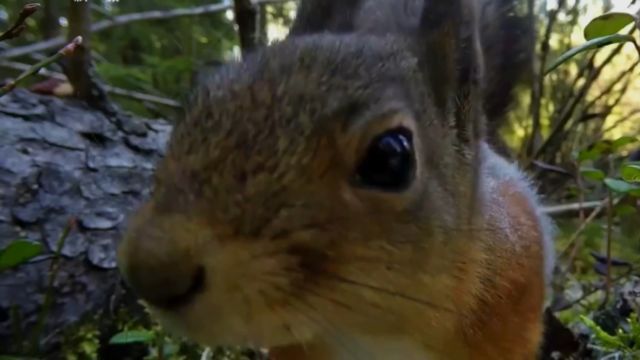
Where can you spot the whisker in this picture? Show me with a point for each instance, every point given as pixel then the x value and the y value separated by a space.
pixel 285 323
pixel 327 298
pixel 370 287
pixel 330 329
pixel 382 290
pixel 317 295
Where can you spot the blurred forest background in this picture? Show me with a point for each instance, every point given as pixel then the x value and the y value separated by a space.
pixel 574 129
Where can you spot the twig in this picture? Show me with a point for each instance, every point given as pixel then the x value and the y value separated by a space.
pixel 111 89
pixel 574 237
pixel 592 291
pixel 25 67
pixel 552 168
pixel 607 289
pixel 53 272
pixel 537 91
pixel 142 96
pixel 206 354
pixel 598 206
pixel 17 28
pixel 628 117
pixel 564 208
pixel 65 51
pixel 567 111
pixel 625 73
pixel 608 107
pixel 126 19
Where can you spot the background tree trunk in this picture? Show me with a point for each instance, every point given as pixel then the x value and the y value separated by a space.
pixel 80 62
pixel 49 24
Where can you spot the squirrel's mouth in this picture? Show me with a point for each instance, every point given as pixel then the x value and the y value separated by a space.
pixel 233 302
pixel 198 321
pixel 196 287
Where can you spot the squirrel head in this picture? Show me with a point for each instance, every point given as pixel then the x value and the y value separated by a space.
pixel 312 184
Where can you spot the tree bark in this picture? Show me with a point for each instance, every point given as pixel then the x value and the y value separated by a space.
pixel 63 160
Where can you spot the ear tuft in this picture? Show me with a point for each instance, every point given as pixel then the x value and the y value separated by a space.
pixel 316 16
pixel 450 52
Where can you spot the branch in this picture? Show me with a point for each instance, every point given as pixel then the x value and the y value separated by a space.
pixel 625 73
pixel 567 112
pixel 551 168
pixel 111 89
pixel 623 119
pixel 17 28
pixel 609 107
pixel 126 19
pixel 142 96
pixel 564 208
pixel 66 51
pixel 537 91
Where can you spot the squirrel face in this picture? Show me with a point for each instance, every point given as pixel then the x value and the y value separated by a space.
pixel 311 189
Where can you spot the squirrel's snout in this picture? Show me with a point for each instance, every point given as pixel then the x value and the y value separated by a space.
pixel 172 287
pixel 160 269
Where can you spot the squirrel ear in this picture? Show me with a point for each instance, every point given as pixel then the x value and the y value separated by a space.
pixel 315 16
pixel 450 53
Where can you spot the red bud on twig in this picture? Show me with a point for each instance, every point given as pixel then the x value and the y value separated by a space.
pixel 71 47
pixel 19 26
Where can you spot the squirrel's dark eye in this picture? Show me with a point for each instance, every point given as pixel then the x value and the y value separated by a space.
pixel 389 161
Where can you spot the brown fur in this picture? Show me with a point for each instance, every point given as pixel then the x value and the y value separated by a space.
pixel 255 216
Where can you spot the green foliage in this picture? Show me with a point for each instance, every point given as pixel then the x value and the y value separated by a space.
pixel 619 186
pixel 589 45
pixel 622 142
pixel 601 31
pixel 82 342
pixel 624 342
pixel 631 172
pixel 18 252
pixel 159 57
pixel 592 173
pixel 607 24
pixel 133 336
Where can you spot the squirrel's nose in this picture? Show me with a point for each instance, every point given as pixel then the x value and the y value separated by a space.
pixel 159 268
pixel 168 285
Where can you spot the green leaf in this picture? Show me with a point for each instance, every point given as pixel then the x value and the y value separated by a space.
pixel 589 45
pixel 607 24
pixel 18 252
pixel 625 140
pixel 625 209
pixel 589 154
pixel 631 173
pixel 606 340
pixel 592 173
pixel 619 186
pixel 132 336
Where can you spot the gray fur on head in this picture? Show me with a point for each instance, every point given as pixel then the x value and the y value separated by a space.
pixel 505 29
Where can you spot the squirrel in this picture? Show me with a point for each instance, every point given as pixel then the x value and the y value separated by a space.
pixel 333 195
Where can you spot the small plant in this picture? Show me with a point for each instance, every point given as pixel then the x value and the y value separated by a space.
pixel 601 31
pixel 20 252
pixel 15 30
pixel 17 253
pixel 623 344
